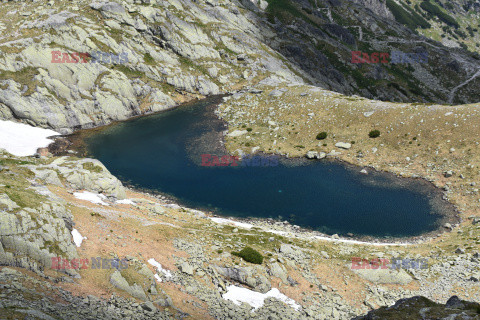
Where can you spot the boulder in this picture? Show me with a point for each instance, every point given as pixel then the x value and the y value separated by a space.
pixel 148 306
pixel 333 153
pixel 166 302
pixel 237 133
pixel 119 282
pixel 455 303
pixel 185 267
pixel 384 276
pixel 312 154
pixel 145 271
pixel 275 93
pixel 137 292
pixel 246 275
pixel 475 277
pixel 287 249
pixel 343 145
pixel 279 271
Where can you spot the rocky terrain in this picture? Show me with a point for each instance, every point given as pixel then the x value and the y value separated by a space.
pixel 175 52
pixel 319 37
pixel 179 50
pixel 421 308
pixel 180 262
pixel 278 59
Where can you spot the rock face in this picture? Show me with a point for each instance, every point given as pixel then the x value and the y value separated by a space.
pixel 377 6
pixel 84 174
pixel 43 304
pixel 319 42
pixel 423 308
pixel 385 276
pixel 28 235
pixel 177 57
pixel 38 227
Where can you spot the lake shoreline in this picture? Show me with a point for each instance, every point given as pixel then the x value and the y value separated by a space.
pixel 77 138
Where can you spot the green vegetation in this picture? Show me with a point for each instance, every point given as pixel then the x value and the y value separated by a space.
pixel 434 11
pixel 100 45
pixel 53 247
pixel 92 168
pixel 148 59
pixel 409 18
pixel 374 134
pixel 25 76
pixel 286 11
pixel 322 135
pixel 187 63
pixel 15 185
pixel 250 255
pixel 130 73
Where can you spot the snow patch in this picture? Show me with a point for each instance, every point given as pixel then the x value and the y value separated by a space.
pixel 360 242
pixel 159 268
pixel 256 299
pixel 23 140
pixel 235 223
pixel 125 201
pixel 77 237
pixel 292 235
pixel 92 197
pixel 171 205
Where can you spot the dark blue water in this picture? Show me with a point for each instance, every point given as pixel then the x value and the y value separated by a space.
pixel 163 152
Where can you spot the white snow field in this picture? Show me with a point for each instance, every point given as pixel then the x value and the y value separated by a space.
pixel 23 140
